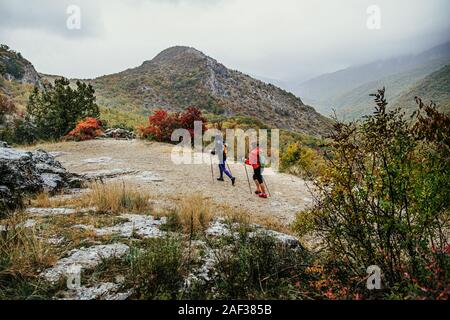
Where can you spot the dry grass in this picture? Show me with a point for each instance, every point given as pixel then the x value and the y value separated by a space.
pixel 197 206
pixel 46 200
pixel 273 223
pixel 235 215
pixel 194 214
pixel 115 198
pixel 245 218
pixel 22 251
pixel 42 200
pixel 112 198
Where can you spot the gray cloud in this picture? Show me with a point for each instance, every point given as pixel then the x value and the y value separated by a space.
pixel 49 16
pixel 286 39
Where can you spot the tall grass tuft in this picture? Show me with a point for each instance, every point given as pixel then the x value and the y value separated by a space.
pixel 194 214
pixel 116 198
pixel 22 255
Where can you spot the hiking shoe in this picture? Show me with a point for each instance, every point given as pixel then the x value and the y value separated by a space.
pixel 233 181
pixel 257 192
pixel 220 179
pixel 263 195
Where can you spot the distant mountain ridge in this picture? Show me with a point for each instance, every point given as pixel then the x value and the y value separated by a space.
pixel 435 87
pixel 179 77
pixel 347 90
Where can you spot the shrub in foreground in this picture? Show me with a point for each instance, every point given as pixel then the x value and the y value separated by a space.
pixel 384 201
pixel 157 269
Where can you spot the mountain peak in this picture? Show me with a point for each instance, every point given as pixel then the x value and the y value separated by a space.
pixel 181 76
pixel 176 53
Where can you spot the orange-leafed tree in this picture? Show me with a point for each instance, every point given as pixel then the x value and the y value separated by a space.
pixel 88 129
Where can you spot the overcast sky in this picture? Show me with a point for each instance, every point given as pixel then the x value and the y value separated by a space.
pixel 284 39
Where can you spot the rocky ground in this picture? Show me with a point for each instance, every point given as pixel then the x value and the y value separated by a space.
pixel 149 165
pixel 81 238
pixel 24 172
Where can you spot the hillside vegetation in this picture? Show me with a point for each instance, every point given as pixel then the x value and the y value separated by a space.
pixel 435 87
pixel 14 66
pixel 180 77
pixel 17 76
pixel 382 199
pixel 347 91
pixel 355 104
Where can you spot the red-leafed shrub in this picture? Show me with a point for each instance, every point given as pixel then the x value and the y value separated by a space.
pixel 88 129
pixel 162 124
pixel 188 118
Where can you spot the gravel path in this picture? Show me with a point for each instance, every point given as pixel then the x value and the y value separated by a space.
pixel 149 165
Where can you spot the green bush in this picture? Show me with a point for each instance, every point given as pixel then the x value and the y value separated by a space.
pixel 254 267
pixel 301 160
pixel 23 131
pixel 15 69
pixel 157 269
pixel 112 118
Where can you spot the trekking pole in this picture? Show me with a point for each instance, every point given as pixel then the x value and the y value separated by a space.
pixel 248 179
pixel 212 169
pixel 267 187
pixel 229 169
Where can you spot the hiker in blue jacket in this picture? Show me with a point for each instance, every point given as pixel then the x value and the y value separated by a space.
pixel 221 150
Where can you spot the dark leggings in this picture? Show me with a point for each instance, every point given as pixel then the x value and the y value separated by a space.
pixel 223 169
pixel 257 176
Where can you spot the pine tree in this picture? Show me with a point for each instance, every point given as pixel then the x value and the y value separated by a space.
pixel 56 110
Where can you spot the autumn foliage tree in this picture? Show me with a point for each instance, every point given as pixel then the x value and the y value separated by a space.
pixel 86 130
pixel 189 117
pixel 162 123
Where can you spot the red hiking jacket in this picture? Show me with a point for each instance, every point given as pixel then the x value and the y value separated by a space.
pixel 253 159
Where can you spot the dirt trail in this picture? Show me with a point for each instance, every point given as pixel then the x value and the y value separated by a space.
pixel 156 173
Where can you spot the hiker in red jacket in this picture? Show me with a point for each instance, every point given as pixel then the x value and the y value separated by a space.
pixel 254 160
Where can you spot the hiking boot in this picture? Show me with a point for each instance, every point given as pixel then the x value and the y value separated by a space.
pixel 233 181
pixel 220 179
pixel 263 195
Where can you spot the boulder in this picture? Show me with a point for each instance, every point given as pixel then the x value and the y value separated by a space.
pixel 23 172
pixel 8 200
pixel 118 133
